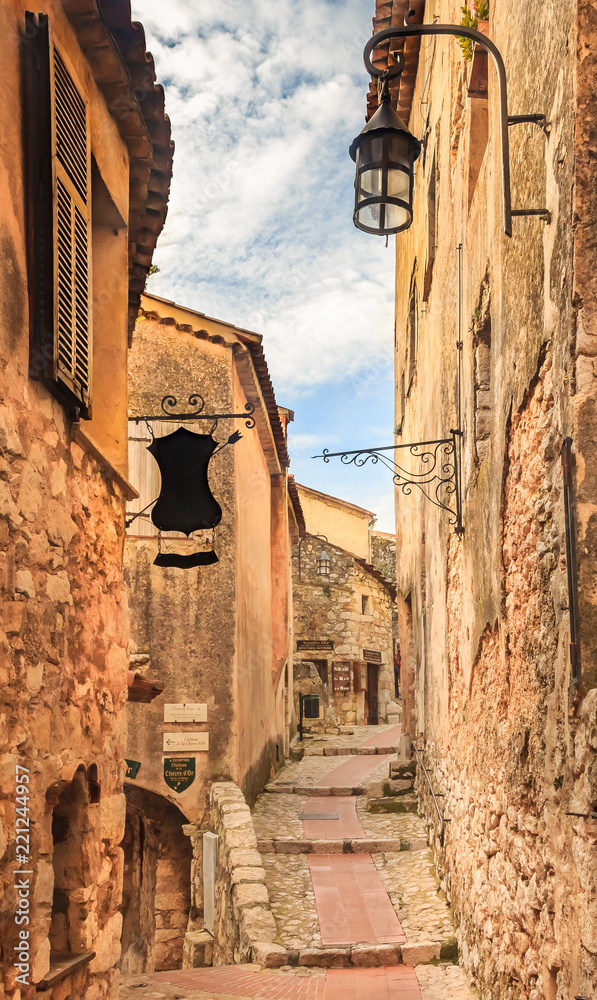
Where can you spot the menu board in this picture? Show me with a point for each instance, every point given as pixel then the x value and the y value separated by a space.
pixel 341 677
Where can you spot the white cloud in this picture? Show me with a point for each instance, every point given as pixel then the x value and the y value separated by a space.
pixel 265 97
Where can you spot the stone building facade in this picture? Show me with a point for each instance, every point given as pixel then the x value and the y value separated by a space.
pixel 85 149
pixel 218 634
pixel 489 684
pixel 343 617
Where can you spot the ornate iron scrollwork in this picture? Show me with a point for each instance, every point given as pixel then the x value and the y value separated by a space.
pixel 439 477
pixel 198 403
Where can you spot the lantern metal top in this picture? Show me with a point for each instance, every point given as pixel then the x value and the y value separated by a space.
pixel 384 119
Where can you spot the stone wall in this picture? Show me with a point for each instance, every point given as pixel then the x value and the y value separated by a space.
pixel 484 619
pixel 64 668
pixel 244 927
pixel 352 608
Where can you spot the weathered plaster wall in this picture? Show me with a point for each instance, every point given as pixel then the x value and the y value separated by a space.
pixel 342 523
pixel 485 618
pixel 259 696
pixel 183 619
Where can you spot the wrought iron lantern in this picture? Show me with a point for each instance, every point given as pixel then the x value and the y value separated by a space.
pixel 323 564
pixel 384 152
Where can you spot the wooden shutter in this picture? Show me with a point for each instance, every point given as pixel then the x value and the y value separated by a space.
pixel 60 164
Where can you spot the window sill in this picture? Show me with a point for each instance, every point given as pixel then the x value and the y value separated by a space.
pixel 88 444
pixel 62 966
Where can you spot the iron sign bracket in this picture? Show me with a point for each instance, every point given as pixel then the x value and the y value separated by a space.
pixel 439 479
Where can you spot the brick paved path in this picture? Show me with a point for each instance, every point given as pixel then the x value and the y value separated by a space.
pixel 352 771
pixel 353 906
pixel 398 983
pixel 387 737
pixel 346 826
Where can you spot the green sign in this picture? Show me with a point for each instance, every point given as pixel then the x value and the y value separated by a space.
pixel 132 768
pixel 179 772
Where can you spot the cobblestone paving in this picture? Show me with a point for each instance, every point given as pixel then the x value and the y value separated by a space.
pixel 292 899
pixel 444 982
pixel 307 771
pixel 278 815
pixel 407 826
pixel 413 887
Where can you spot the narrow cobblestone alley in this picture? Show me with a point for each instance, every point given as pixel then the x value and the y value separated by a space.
pixel 353 891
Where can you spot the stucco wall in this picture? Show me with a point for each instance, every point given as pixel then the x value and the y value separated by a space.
pixel 487 653
pixel 342 523
pixel 184 619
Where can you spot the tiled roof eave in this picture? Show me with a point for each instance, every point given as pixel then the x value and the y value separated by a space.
pixel 390 13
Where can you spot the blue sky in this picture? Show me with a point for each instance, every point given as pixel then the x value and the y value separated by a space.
pixel 265 97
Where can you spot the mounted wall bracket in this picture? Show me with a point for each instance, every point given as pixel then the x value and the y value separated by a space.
pixel 439 479
pixel 459 31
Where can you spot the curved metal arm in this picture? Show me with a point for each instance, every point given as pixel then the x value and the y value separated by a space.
pixel 459 31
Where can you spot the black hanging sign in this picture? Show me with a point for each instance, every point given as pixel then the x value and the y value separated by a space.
pixel 186 503
pixel 179 772
pixel 372 655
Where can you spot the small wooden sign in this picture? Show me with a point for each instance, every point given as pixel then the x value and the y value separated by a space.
pixel 179 772
pixel 341 677
pixel 372 655
pixel 314 644
pixel 187 711
pixel 132 767
pixel 185 742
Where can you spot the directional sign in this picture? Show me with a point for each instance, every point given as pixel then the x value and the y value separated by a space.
pixel 188 742
pixel 185 712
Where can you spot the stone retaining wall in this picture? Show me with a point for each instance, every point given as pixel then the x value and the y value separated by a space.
pixel 244 928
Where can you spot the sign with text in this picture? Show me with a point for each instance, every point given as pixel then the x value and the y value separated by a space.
pixel 341 676
pixel 179 772
pixel 372 655
pixel 314 644
pixel 185 712
pixel 186 741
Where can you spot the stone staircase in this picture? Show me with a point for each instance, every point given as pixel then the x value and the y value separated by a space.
pixel 393 837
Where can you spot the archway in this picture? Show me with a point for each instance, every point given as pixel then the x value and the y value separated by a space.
pixel 156 896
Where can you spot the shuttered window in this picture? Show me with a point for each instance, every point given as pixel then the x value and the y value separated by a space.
pixel 60 156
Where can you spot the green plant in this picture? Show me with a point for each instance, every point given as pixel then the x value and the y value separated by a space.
pixel 471 16
pixel 326 590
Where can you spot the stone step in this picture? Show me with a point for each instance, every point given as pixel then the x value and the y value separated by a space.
pixel 288 788
pixel 357 845
pixel 363 956
pixel 403 803
pixel 404 769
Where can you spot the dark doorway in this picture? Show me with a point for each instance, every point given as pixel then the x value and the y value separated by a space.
pixel 372 696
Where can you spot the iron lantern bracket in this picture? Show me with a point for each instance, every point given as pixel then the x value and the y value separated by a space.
pixel 439 479
pixel 506 120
